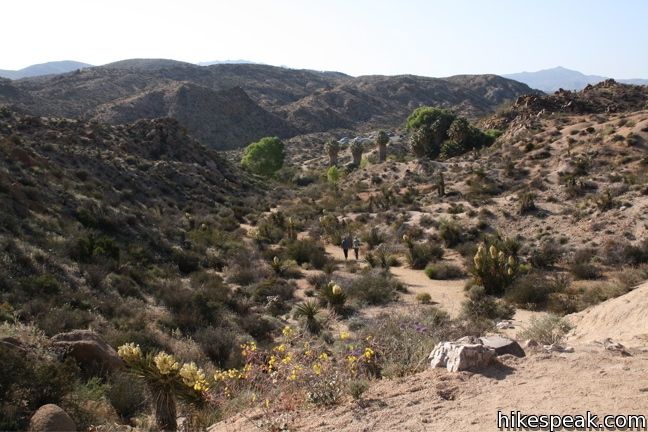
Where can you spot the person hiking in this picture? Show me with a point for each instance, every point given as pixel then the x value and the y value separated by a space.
pixel 346 245
pixel 356 246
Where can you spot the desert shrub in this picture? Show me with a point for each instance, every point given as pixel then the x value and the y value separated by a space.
pixel 527 202
pixel 186 261
pixel 451 232
pixel 357 387
pixel 581 264
pixel 424 298
pixel 27 382
pixel 624 252
pixel 420 254
pixel 126 395
pixel 306 251
pixel 406 340
pixel 381 257
pixel 605 201
pixel 444 271
pixel 270 288
pixel 550 329
pixel 548 254
pixel 373 238
pixel 481 306
pixel 218 344
pixel 374 288
pixel 530 291
pixel 264 157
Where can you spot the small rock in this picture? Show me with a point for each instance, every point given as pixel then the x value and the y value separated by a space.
pixel 505 324
pixel 51 418
pixel 610 345
pixel 503 345
pixel 458 356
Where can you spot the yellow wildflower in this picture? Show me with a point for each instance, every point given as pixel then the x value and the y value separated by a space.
pixel 287 359
pixel 288 331
pixel 317 368
pixel 280 348
pixel 323 356
pixel 344 335
pixel 368 353
pixel 165 363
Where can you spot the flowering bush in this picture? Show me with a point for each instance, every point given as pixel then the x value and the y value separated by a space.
pixel 493 269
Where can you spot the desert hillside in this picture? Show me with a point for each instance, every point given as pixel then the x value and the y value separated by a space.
pixel 150 282
pixel 268 100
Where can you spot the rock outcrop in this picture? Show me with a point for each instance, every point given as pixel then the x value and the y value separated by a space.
pixel 51 418
pixel 89 350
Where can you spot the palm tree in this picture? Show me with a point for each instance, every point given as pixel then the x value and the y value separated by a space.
pixel 332 148
pixel 382 139
pixel 356 151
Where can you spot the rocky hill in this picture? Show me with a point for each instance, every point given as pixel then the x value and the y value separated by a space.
pixel 551 80
pixel 605 97
pixel 271 100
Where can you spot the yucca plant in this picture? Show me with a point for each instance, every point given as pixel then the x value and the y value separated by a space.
pixel 334 296
pixel 493 270
pixel 166 380
pixel 382 139
pixel 308 310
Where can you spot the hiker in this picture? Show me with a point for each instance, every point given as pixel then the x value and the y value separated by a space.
pixel 346 245
pixel 356 246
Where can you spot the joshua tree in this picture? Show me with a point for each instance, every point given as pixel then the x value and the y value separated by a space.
pixel 382 139
pixel 356 152
pixel 332 148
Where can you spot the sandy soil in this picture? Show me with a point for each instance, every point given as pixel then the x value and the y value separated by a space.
pixel 624 319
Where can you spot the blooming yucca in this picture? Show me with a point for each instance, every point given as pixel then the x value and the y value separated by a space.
pixel 165 363
pixel 130 352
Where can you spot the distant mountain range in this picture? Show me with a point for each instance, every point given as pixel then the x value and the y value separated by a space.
pixel 550 80
pixel 228 106
pixel 57 67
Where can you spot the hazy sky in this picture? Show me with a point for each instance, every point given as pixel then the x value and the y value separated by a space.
pixel 433 38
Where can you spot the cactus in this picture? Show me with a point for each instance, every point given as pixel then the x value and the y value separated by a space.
pixel 493 270
pixel 382 139
pixel 332 148
pixel 356 152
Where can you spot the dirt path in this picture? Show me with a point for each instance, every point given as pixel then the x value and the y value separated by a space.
pixel 447 294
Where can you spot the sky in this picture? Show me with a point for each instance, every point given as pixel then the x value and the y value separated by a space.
pixel 358 37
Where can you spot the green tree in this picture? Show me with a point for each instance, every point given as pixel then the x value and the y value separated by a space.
pixel 264 157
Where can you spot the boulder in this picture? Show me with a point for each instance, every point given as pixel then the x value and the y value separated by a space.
pixel 458 356
pixel 503 345
pixel 89 350
pixel 51 418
